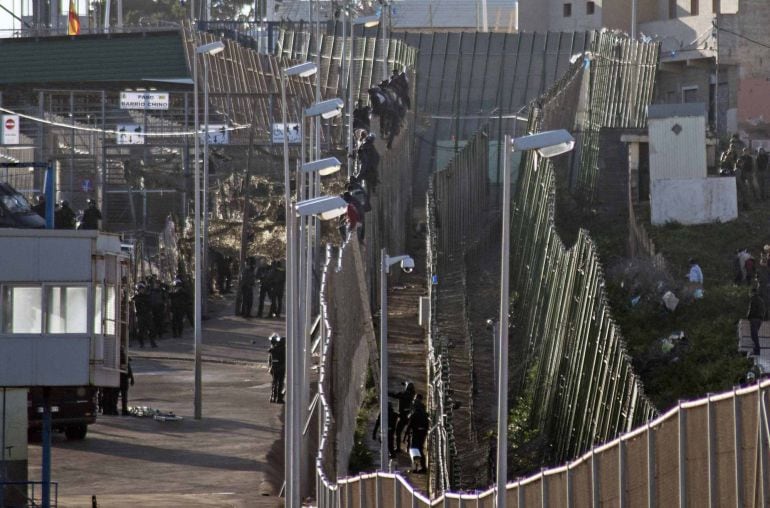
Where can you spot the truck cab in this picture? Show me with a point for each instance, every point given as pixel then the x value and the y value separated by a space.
pixel 15 210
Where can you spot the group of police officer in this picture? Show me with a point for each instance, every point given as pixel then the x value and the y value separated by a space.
pixel 64 217
pixel 272 280
pixel 154 303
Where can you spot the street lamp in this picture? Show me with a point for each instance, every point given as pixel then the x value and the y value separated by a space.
pixel 324 207
pixel 304 70
pixel 205 49
pixel 407 265
pixel 368 22
pixel 548 144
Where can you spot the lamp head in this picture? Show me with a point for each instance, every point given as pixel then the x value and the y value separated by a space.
pixel 326 109
pixel 548 143
pixel 212 48
pixel 325 207
pixel 302 70
pixel 367 21
pixel 323 167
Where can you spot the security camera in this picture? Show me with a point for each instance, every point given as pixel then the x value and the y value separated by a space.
pixel 407 265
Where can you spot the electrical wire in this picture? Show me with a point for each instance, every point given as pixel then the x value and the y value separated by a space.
pixel 115 132
pixel 741 36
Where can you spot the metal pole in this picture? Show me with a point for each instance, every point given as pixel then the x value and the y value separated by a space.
pixel 343 55
pixel 205 255
pixel 502 370
pixel 197 268
pixel 46 472
pixel 384 360
pixel 385 6
pixel 289 313
pixel 3 470
pixel 351 97
pixel 633 19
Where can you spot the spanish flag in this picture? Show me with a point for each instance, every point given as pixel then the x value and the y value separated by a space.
pixel 73 23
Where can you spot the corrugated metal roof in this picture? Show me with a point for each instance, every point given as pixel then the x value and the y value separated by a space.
pixel 676 110
pixel 124 57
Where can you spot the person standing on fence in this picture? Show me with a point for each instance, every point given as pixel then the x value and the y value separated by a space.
pixel 405 398
pixel 416 432
pixel 277 367
pixel 757 313
pixel 392 422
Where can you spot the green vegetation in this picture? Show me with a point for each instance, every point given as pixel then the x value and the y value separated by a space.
pixel 361 458
pixel 707 359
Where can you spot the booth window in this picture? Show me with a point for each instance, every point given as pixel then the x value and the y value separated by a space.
pixel 104 309
pixel 22 310
pixel 67 308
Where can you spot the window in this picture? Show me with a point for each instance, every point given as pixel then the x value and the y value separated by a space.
pixel 694 7
pixel 567 10
pixel 22 310
pixel 67 308
pixel 689 94
pixel 590 8
pixel 104 310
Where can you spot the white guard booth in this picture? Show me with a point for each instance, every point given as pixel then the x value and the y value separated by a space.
pixel 60 317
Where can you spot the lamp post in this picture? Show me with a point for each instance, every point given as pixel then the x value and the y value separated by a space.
pixel 325 208
pixel 205 49
pixel 292 486
pixel 548 144
pixel 368 22
pixel 407 264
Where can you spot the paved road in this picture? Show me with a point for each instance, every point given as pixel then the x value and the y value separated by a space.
pixel 231 457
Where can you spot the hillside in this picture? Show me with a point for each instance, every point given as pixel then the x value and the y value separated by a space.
pixel 706 359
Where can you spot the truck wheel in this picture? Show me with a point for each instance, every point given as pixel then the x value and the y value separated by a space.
pixel 76 432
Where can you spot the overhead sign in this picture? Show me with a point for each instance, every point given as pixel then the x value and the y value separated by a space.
pixel 218 135
pixel 130 134
pixel 144 100
pixel 87 185
pixel 10 129
pixel 295 136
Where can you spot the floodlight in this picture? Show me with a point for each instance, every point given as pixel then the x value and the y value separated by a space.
pixel 548 143
pixel 326 109
pixel 212 48
pixel 302 70
pixel 326 207
pixel 322 166
pixel 367 21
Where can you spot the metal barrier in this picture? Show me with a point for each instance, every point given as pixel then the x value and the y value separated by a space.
pixel 26 494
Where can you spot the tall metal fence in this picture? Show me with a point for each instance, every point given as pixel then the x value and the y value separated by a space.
pixel 711 452
pixel 463 209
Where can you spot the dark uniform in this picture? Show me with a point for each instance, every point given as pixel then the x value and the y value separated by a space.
pixel 125 378
pixel 247 289
pixel 39 207
pixel 392 421
pixel 143 316
pixel 405 398
pixel 277 367
pixel 91 216
pixel 417 431
pixel 276 283
pixel 369 160
pixel 64 217
pixel 263 276
pixel 179 303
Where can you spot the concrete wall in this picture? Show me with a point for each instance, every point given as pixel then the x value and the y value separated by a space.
pixel 693 200
pixel 681 155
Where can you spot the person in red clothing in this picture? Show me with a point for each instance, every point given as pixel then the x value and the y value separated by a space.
pixel 353 218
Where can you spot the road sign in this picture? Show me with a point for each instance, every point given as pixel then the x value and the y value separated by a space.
pixel 218 135
pixel 130 134
pixel 295 136
pixel 87 185
pixel 144 100
pixel 10 129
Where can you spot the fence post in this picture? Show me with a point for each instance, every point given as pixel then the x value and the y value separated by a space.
pixel 594 480
pixel 650 467
pixel 682 456
pixel 737 444
pixel 622 472
pixel 568 486
pixel 711 451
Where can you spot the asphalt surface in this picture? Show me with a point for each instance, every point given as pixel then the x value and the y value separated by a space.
pixel 232 457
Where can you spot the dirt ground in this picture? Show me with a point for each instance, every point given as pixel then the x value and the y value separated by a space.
pixel 232 457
